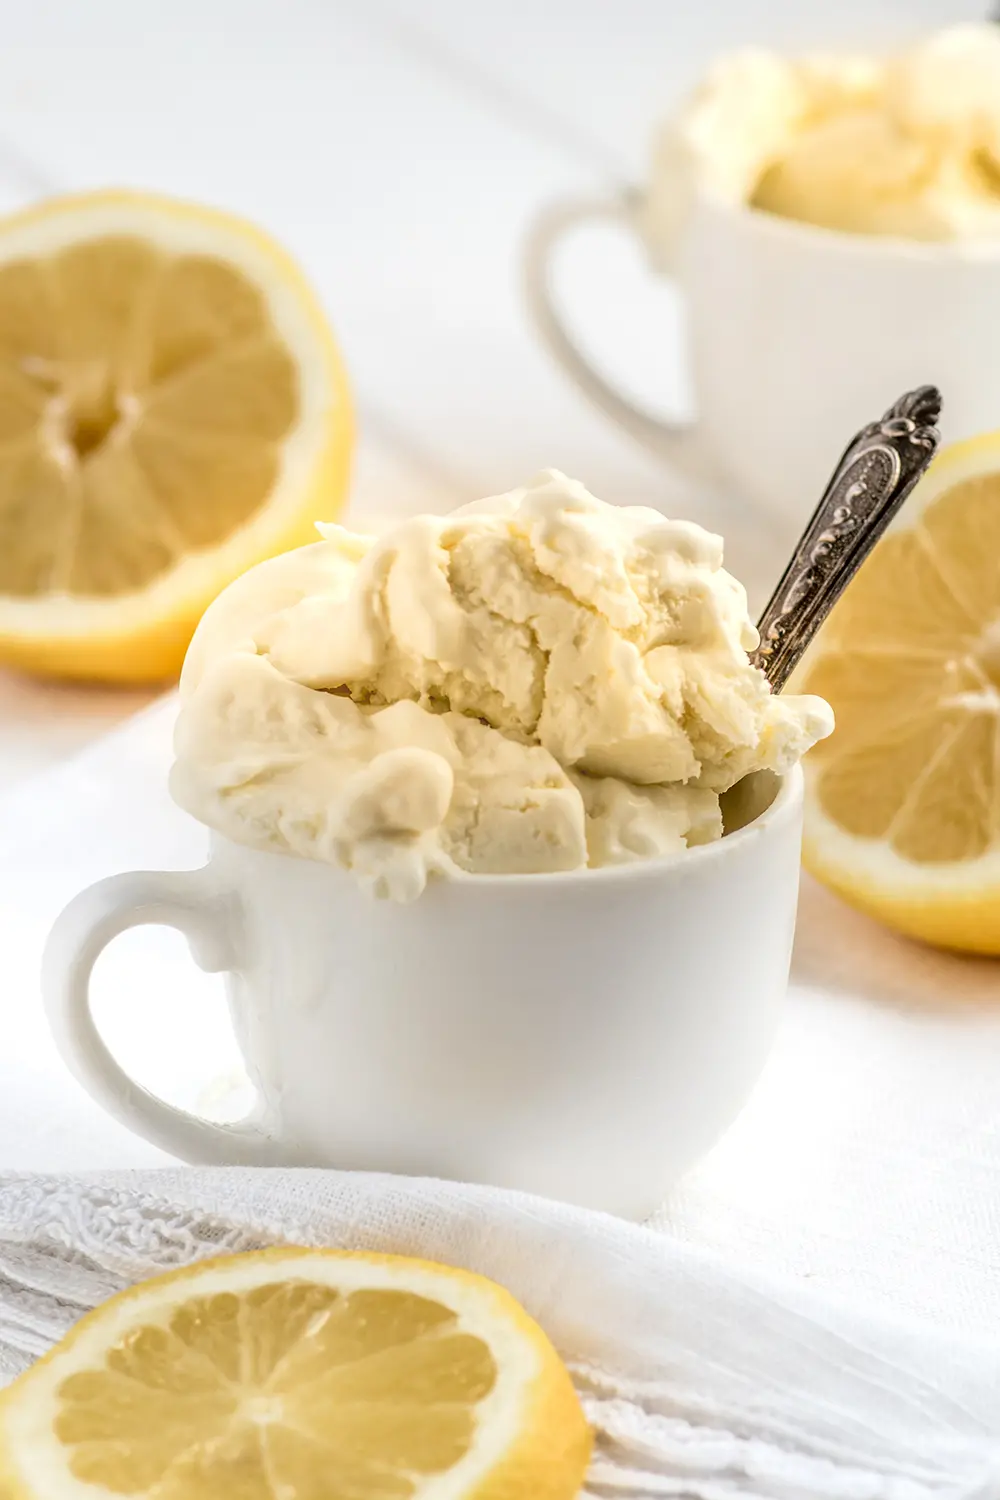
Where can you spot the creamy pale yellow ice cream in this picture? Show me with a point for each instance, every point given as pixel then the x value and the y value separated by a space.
pixel 906 146
pixel 537 682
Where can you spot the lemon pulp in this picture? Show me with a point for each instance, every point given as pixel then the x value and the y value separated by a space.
pixel 172 409
pixel 903 814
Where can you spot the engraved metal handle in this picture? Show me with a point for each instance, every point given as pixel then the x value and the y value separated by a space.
pixel 876 472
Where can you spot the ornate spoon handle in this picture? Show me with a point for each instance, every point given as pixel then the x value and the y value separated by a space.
pixel 877 471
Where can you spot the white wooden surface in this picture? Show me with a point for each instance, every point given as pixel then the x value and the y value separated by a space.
pixel 400 147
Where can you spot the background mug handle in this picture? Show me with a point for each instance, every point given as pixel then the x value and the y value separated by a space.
pixel 674 441
pixel 211 922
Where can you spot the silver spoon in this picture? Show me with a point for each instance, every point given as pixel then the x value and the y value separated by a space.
pixel 876 472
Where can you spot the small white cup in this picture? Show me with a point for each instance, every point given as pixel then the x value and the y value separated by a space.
pixel 796 337
pixel 586 1036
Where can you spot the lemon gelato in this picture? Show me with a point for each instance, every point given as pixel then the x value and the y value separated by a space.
pixel 537 682
pixel 907 146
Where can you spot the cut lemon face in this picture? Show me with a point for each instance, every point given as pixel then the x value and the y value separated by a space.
pixel 172 410
pixel 298 1375
pixel 903 801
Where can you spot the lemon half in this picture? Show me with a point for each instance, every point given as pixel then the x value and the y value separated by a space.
pixel 173 409
pixel 903 801
pixel 299 1375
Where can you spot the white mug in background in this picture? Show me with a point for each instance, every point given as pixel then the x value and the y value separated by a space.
pixel 795 336
pixel 586 1036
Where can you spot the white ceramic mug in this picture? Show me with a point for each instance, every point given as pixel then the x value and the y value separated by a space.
pixel 796 337
pixel 585 1036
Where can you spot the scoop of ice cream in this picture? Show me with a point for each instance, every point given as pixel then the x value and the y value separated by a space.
pixel 946 90
pixel 739 122
pixel 742 116
pixel 536 682
pixel 858 172
pixel 909 146
pixel 395 793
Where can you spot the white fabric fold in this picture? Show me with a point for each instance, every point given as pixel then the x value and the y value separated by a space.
pixel 703 1378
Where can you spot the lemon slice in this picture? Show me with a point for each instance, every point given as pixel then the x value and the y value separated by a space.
pixel 903 801
pixel 298 1375
pixel 172 410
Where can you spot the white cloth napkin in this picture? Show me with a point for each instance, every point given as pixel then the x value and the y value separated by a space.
pixel 702 1378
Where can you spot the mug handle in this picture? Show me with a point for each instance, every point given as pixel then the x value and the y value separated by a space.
pixel 672 440
pixel 211 922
